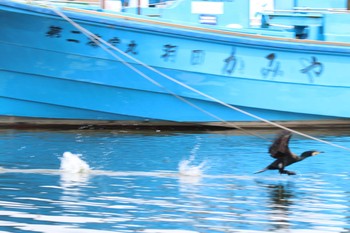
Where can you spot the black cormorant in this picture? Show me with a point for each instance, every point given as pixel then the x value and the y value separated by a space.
pixel 284 157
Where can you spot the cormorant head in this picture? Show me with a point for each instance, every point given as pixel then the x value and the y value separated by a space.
pixel 310 153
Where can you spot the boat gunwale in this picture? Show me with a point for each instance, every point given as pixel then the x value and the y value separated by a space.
pixel 225 36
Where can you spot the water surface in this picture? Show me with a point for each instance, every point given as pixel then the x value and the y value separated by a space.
pixel 169 182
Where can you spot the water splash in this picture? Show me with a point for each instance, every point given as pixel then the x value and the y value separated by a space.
pixel 190 175
pixel 74 170
pixel 72 163
pixel 187 169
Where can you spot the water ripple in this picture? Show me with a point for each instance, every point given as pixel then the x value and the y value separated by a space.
pixel 165 183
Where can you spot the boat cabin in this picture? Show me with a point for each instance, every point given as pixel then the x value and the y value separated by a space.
pixel 324 20
pixel 311 19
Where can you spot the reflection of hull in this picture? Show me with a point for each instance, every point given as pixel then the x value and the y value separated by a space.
pixel 54 73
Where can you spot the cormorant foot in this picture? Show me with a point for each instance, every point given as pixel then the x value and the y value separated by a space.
pixel 290 173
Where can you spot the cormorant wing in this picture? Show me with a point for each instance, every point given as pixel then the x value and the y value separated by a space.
pixel 279 147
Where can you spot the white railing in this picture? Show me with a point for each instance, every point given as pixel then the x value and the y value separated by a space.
pixel 111 5
pixel 86 2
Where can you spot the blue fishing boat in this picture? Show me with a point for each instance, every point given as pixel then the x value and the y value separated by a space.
pixel 188 62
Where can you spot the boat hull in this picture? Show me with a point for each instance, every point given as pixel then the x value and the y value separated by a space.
pixel 50 70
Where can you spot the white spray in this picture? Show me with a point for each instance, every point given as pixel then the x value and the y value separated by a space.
pixel 72 163
pixel 74 170
pixel 185 167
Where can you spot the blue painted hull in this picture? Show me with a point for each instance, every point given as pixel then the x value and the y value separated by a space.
pixel 49 69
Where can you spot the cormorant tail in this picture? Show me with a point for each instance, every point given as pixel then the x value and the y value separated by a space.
pixel 266 168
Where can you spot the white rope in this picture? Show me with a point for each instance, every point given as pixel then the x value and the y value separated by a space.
pixel 106 44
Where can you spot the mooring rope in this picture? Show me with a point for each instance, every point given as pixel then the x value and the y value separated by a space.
pixel 99 41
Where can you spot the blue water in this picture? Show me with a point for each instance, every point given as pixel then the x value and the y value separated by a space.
pixel 135 184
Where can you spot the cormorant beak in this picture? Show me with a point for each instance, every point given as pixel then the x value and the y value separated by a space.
pixel 316 153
